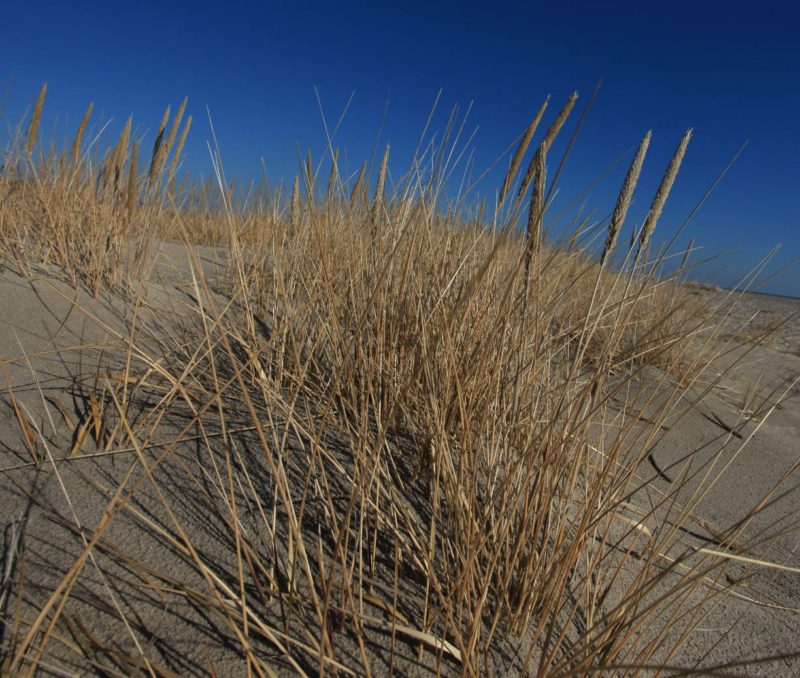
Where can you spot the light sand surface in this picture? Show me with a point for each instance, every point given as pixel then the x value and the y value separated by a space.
pixel 743 472
pixel 58 345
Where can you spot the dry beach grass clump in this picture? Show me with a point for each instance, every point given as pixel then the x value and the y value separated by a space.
pixel 347 430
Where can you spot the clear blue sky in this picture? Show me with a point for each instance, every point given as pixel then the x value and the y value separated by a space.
pixel 730 70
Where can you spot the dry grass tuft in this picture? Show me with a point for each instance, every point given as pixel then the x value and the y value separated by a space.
pixel 386 440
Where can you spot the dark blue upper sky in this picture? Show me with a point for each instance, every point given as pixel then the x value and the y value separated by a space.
pixel 730 70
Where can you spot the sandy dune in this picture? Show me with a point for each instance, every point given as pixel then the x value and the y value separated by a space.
pixel 59 346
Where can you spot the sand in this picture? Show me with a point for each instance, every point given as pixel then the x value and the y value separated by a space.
pixel 58 345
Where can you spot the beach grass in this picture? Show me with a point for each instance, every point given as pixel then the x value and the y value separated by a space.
pixel 420 431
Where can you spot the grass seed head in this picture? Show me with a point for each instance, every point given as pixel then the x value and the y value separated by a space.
pixel 117 160
pixel 536 207
pixel 173 130
pixel 155 158
pixel 624 197
pixel 132 169
pixel 333 175
pixel 295 214
pixel 662 193
pixel 179 148
pixel 520 152
pixel 74 153
pixel 377 203
pixel 33 130
pixel 549 137
pixel 358 187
